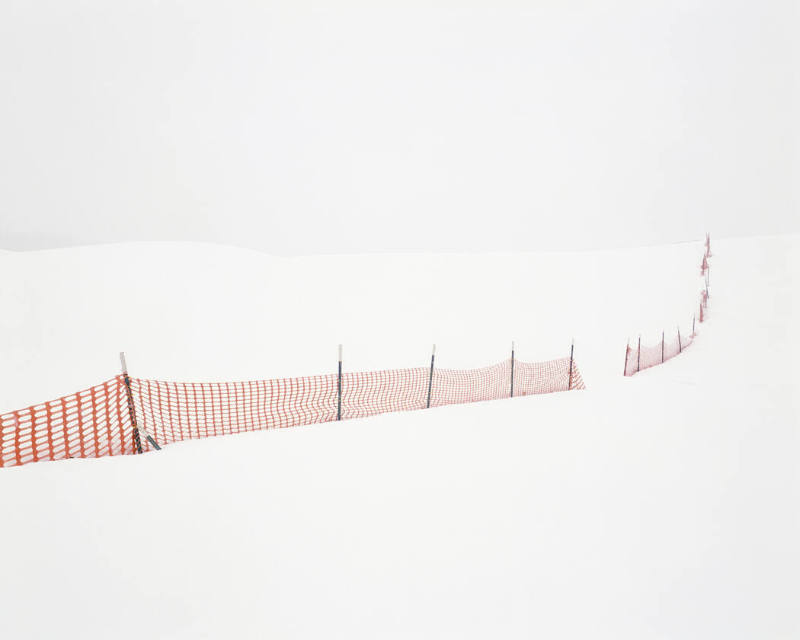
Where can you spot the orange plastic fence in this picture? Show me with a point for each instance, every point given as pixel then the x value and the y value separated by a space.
pixel 96 422
pixel 87 424
pixel 175 411
pixel 639 357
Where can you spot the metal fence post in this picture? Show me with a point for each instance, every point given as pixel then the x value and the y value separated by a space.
pixel 639 355
pixel 430 378
pixel 339 387
pixel 512 368
pixel 137 440
pixel 627 352
pixel 680 346
pixel 662 346
pixel 571 352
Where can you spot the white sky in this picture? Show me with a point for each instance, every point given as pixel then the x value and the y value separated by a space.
pixel 493 126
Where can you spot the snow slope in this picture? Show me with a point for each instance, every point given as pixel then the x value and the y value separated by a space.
pixel 659 506
pixel 206 312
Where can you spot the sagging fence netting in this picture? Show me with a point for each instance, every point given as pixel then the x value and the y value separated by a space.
pixel 639 357
pixel 91 423
pixel 99 421
pixel 109 418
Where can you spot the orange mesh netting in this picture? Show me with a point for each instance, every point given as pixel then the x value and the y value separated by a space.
pixel 175 411
pixel 457 386
pixel 97 422
pixel 703 305
pixel 546 377
pixel 86 424
pixel 639 358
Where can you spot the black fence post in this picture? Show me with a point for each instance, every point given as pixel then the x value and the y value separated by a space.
pixel 339 387
pixel 430 378
pixel 571 353
pixel 680 346
pixel 639 355
pixel 137 440
pixel 627 351
pixel 512 368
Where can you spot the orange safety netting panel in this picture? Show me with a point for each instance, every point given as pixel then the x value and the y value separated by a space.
pixel 459 386
pixel 546 377
pixel 87 424
pixel 641 357
pixel 97 422
pixel 175 411
pixel 703 305
pixel 638 358
pixel 368 393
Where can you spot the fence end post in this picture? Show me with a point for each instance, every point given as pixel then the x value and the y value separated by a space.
pixel 571 353
pixel 627 351
pixel 430 377
pixel 512 368
pixel 137 441
pixel 339 387
pixel 639 355
pixel 137 428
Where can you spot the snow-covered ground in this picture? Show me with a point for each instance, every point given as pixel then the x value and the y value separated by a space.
pixel 659 506
pixel 206 312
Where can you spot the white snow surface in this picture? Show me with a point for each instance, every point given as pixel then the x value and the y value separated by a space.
pixel 659 506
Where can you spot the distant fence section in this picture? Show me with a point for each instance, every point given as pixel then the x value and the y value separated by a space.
pixel 100 422
pixel 639 357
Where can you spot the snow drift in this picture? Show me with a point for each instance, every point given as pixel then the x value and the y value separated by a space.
pixel 661 505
